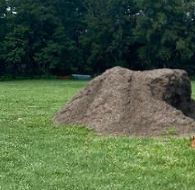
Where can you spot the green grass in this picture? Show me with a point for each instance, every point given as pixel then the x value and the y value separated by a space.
pixel 36 155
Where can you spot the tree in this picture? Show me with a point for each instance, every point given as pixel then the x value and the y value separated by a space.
pixel 163 31
pixel 108 36
pixel 58 37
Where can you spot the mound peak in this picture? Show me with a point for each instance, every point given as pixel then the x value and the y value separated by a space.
pixel 125 102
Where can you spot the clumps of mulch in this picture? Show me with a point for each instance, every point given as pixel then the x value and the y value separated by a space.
pixel 126 102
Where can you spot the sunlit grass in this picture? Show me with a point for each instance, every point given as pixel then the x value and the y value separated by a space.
pixel 36 155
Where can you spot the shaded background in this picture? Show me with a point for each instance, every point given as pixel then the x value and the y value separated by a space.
pixel 60 37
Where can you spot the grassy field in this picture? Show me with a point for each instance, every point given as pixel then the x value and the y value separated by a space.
pixel 36 155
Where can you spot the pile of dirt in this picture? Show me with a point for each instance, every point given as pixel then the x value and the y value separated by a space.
pixel 126 102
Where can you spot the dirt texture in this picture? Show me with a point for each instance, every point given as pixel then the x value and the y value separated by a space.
pixel 125 102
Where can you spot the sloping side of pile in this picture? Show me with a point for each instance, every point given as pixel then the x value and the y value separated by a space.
pixel 126 102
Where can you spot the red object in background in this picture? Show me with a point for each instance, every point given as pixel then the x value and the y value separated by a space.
pixel 64 77
pixel 193 142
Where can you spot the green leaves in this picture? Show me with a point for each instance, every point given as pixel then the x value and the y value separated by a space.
pixel 61 37
pixel 163 29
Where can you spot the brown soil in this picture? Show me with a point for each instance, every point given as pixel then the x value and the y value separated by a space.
pixel 126 102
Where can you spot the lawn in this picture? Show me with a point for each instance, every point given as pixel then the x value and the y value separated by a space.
pixel 36 155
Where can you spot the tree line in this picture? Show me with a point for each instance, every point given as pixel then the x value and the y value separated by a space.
pixel 60 37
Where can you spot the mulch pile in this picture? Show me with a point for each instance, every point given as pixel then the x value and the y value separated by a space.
pixel 125 102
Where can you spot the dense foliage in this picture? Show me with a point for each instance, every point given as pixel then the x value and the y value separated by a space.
pixel 59 37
